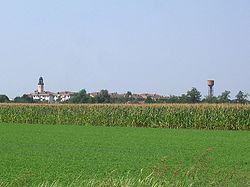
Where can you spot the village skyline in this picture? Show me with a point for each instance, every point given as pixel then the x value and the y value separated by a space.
pixel 193 95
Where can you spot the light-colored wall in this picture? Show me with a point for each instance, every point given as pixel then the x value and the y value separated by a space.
pixel 43 98
pixel 40 88
pixel 51 98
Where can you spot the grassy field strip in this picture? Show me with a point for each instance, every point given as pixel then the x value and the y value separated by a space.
pixel 34 154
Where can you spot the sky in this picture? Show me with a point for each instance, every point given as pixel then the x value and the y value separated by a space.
pixel 154 46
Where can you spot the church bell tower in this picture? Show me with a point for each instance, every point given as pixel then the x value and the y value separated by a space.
pixel 40 86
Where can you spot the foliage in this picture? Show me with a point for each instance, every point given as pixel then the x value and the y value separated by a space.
pixel 210 99
pixel 177 99
pixel 149 100
pixel 193 96
pixel 201 116
pixel 224 97
pixel 4 99
pixel 24 99
pixel 241 97
pixel 103 97
pixel 128 94
pixel 81 97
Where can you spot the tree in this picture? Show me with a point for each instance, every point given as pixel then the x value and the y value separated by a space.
pixel 224 97
pixel 177 99
pixel 80 97
pixel 241 97
pixel 128 96
pixel 103 97
pixel 4 99
pixel 183 98
pixel 194 96
pixel 24 99
pixel 210 99
pixel 149 100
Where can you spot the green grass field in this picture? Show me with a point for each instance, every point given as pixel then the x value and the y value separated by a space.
pixel 35 154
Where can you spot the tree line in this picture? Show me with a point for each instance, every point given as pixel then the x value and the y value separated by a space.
pixel 191 96
pixel 194 96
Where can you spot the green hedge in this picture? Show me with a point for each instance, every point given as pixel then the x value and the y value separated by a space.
pixel 199 116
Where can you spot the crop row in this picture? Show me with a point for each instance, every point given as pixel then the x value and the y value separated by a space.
pixel 200 116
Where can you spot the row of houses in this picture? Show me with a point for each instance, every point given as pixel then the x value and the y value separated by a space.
pixel 46 96
pixel 41 95
pixel 138 96
pixel 51 97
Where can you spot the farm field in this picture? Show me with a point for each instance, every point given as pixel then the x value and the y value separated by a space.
pixel 188 116
pixel 32 155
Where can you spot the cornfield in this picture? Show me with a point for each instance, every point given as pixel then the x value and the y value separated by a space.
pixel 198 116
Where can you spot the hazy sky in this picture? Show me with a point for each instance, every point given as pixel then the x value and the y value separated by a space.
pixel 162 46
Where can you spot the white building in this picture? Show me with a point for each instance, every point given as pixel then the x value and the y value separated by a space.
pixel 46 96
pixel 63 96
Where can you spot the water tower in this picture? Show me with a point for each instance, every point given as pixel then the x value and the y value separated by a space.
pixel 210 84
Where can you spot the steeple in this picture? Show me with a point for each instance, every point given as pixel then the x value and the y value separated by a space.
pixel 40 86
pixel 40 81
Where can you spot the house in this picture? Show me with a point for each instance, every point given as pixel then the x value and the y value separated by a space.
pixel 46 96
pixel 155 97
pixel 116 95
pixel 64 96
pixel 94 94
pixel 137 96
pixel 40 94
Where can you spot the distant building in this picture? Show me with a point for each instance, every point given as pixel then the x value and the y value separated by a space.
pixel 64 96
pixel 94 94
pixel 137 96
pixel 40 86
pixel 155 97
pixel 46 96
pixel 116 95
pixel 41 95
